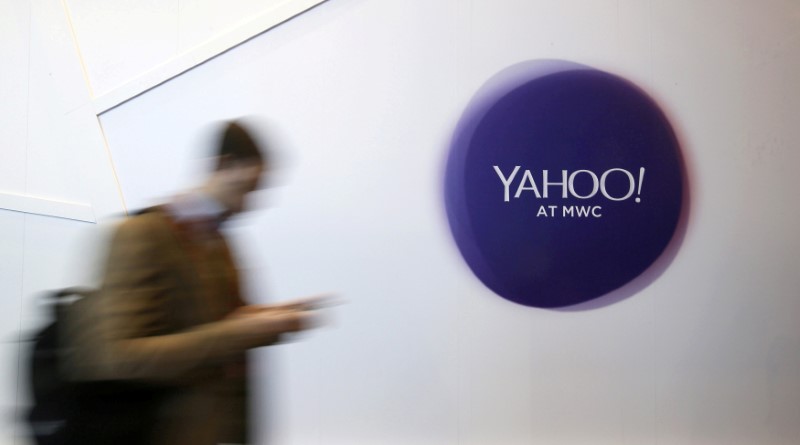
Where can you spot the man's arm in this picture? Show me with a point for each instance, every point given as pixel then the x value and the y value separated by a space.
pixel 127 322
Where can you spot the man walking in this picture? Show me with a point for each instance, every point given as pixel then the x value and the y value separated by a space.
pixel 162 346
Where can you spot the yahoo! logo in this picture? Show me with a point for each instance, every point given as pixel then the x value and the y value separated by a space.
pixel 563 183
pixel 527 183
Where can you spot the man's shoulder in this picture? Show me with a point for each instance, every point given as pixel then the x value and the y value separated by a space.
pixel 143 224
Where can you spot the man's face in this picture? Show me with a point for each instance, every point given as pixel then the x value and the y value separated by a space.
pixel 235 180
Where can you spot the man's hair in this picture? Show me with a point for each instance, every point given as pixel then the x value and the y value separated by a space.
pixel 236 144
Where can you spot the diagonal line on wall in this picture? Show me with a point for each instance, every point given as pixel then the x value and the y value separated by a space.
pixel 85 72
pixel 112 164
pixel 202 53
pixel 37 205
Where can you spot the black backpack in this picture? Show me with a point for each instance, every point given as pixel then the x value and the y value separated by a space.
pixel 53 395
pixel 65 412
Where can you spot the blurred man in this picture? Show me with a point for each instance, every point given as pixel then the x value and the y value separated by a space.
pixel 161 347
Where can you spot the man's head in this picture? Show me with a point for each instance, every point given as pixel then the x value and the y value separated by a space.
pixel 239 166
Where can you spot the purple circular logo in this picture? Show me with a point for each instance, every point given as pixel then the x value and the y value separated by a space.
pixel 563 183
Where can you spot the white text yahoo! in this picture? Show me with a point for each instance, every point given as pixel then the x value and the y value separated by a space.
pixel 567 184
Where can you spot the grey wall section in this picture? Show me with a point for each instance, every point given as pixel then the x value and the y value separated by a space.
pixel 363 96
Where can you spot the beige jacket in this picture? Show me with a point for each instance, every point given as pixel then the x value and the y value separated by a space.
pixel 159 318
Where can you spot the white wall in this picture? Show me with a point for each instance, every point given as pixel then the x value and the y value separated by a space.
pixel 363 95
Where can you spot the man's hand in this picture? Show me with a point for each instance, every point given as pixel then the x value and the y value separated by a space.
pixel 310 303
pixel 266 326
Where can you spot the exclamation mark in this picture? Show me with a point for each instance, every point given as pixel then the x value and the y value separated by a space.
pixel 641 179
